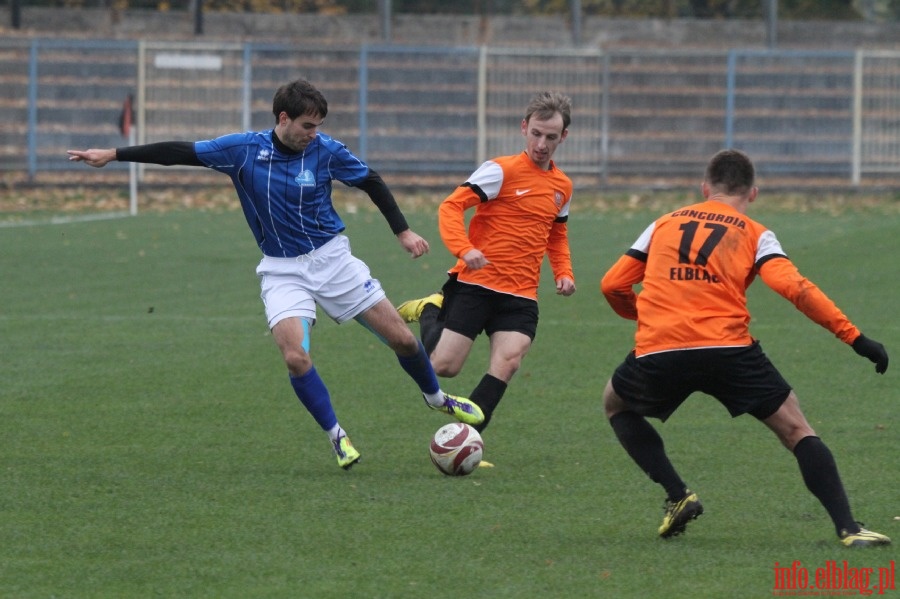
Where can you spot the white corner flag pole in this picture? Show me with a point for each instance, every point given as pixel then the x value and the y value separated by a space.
pixel 127 128
pixel 132 178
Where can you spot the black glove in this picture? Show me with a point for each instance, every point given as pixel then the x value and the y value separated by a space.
pixel 869 348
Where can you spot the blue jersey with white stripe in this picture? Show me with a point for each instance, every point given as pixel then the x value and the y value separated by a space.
pixel 286 197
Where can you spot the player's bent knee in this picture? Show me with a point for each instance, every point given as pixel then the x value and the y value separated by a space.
pixel 612 403
pixel 447 373
pixel 405 343
pixel 506 371
pixel 297 362
pixel 445 369
pixel 790 426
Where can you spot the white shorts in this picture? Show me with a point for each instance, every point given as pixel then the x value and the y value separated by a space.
pixel 329 276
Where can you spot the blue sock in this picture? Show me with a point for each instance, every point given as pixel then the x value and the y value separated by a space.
pixel 419 368
pixel 315 398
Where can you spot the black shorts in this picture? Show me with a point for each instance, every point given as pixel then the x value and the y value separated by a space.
pixel 741 378
pixel 470 309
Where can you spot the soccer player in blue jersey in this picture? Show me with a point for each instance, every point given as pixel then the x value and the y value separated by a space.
pixel 283 179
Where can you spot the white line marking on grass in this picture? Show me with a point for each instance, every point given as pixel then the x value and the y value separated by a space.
pixel 63 220
pixel 156 315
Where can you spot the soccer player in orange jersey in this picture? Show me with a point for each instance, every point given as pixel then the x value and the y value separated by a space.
pixel 694 265
pixel 521 207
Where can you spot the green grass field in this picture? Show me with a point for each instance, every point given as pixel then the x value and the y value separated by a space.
pixel 152 446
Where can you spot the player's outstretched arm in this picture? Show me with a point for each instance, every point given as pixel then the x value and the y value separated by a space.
pixel 874 351
pixel 166 153
pixel 93 157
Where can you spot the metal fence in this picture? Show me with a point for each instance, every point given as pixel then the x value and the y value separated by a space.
pixel 425 115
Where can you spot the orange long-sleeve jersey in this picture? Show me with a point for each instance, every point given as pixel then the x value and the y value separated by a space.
pixel 695 265
pixel 520 214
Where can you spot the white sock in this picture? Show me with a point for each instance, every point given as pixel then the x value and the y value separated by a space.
pixel 435 400
pixel 336 432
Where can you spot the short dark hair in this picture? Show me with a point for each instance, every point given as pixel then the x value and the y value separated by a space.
pixel 731 171
pixel 299 98
pixel 545 104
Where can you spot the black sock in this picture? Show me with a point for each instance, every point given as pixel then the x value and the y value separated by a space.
pixel 429 327
pixel 646 448
pixel 486 396
pixel 821 476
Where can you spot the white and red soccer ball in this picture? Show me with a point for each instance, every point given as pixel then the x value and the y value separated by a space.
pixel 456 449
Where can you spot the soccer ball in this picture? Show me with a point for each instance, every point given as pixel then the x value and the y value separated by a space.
pixel 456 449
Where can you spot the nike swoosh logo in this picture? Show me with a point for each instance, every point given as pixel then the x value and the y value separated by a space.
pixel 521 192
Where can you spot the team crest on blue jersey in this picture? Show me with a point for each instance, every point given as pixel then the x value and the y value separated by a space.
pixel 305 179
pixel 264 155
